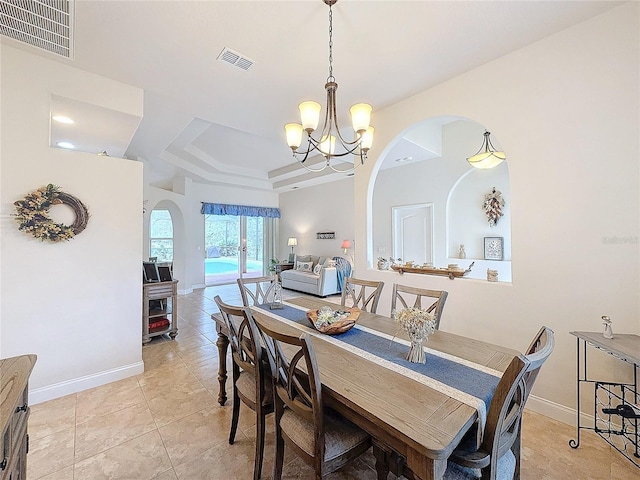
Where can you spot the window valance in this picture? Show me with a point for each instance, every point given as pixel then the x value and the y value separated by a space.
pixel 239 210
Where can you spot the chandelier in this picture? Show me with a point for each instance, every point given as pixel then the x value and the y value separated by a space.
pixel 487 156
pixel 325 142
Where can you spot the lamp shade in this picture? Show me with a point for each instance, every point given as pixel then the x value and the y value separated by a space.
pixel 294 135
pixel 360 116
pixel 346 244
pixel 367 139
pixel 292 242
pixel 310 115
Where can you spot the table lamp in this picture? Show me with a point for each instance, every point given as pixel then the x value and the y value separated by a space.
pixel 346 244
pixel 292 242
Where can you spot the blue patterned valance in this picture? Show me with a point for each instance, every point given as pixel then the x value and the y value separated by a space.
pixel 238 210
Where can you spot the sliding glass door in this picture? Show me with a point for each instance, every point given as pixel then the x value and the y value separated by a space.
pixel 234 248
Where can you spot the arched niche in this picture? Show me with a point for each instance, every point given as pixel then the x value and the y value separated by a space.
pixel 426 165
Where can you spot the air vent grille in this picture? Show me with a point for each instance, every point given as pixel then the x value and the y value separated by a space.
pixel 44 24
pixel 229 56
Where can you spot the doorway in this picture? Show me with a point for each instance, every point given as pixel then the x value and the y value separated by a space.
pixel 234 248
pixel 413 233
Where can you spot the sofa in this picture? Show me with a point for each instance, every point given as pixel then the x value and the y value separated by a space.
pixel 312 274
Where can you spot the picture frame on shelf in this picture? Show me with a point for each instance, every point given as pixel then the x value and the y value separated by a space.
pixel 493 248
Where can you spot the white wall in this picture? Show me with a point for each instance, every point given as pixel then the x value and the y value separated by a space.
pixel 323 208
pixel 566 112
pixel 76 304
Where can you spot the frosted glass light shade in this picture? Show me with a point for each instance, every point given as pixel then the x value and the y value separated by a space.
pixel 294 135
pixel 487 156
pixel 309 115
pixel 328 145
pixel 360 116
pixel 487 160
pixel 367 139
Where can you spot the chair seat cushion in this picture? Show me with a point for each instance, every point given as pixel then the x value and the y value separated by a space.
pixel 246 385
pixel 505 471
pixel 340 434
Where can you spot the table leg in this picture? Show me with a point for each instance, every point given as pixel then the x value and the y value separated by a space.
pixel 222 344
pixel 425 468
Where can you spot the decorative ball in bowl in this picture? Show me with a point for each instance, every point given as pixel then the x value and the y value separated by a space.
pixel 333 322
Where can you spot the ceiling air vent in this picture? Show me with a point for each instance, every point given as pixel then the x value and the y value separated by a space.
pixel 229 56
pixel 45 24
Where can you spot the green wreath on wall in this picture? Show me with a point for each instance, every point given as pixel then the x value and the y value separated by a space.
pixel 32 214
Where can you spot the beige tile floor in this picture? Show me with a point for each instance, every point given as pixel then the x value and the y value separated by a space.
pixel 166 424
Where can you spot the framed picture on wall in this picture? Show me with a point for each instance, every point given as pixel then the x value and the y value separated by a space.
pixel 325 235
pixel 493 248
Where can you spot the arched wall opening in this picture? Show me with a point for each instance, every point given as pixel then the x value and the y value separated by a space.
pixel 179 236
pixel 426 165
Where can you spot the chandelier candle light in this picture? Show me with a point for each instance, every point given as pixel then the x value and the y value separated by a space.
pixel 325 143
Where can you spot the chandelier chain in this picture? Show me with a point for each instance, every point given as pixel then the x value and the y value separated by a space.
pixel 330 44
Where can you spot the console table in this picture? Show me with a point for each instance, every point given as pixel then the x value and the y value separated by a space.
pixel 620 430
pixel 14 415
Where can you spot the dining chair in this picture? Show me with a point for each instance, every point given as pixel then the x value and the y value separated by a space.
pixel 255 291
pixel 539 350
pixel 494 460
pixel 358 291
pixel 434 299
pixel 252 383
pixel 321 437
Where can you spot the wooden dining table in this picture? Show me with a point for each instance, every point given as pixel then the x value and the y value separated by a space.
pixel 421 423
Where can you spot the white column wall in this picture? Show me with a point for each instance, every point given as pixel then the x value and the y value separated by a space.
pixel 76 304
pixel 566 111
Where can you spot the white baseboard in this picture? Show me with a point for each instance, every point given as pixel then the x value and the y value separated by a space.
pixel 57 390
pixel 188 290
pixel 556 411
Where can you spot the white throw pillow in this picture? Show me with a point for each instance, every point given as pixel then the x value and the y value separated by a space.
pixel 304 266
pixel 317 269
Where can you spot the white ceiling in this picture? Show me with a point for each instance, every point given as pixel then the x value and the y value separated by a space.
pixel 217 123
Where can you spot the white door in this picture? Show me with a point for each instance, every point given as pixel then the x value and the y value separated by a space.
pixel 413 233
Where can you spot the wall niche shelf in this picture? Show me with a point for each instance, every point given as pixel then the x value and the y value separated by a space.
pixel 449 272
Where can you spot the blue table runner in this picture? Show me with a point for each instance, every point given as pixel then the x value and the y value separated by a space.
pixel 461 377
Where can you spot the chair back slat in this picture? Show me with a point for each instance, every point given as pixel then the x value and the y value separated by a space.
pixel 540 349
pixel 364 294
pixel 256 291
pixel 296 390
pixel 244 340
pixel 505 413
pixel 431 300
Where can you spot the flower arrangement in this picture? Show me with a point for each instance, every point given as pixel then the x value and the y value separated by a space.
pixel 493 203
pixel 326 316
pixel 32 215
pixel 419 324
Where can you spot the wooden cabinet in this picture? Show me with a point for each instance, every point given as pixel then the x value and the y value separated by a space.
pixel 159 302
pixel 14 415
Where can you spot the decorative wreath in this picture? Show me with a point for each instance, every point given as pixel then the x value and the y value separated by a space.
pixel 493 203
pixel 32 215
